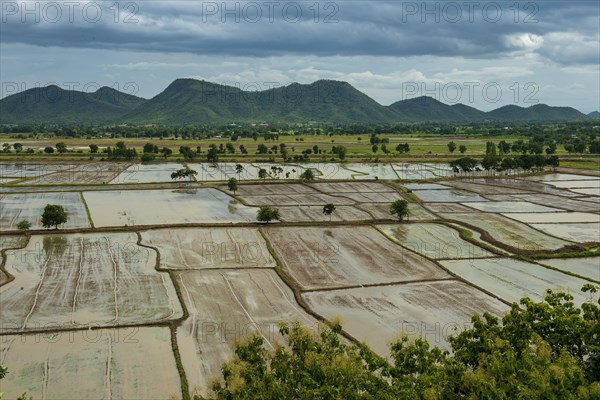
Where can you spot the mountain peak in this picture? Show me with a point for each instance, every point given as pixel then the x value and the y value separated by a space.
pixel 192 101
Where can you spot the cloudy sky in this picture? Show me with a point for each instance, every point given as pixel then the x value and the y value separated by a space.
pixel 485 54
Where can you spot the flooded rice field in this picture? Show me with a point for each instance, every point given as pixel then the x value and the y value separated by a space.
pixel 84 280
pixel 167 277
pixel 380 315
pixel 29 207
pixel 317 258
pixel 587 267
pixel 163 207
pixel 512 279
pixel 433 240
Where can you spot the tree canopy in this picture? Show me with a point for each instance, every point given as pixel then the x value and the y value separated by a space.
pixel 53 215
pixel 184 173
pixel 399 208
pixel 540 350
pixel 267 214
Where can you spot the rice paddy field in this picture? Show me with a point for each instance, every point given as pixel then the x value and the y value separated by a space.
pixel 317 258
pixel 430 310
pixel 206 248
pixel 511 279
pixel 163 207
pixel 150 283
pixel 84 280
pixel 586 267
pixel 124 363
pixel 226 306
pixel 146 173
pixel 434 241
pixel 29 207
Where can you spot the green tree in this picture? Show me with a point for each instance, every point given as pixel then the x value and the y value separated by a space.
pixel 545 350
pixel 399 208
pixel 464 164
pixel 93 148
pixel 212 155
pixel 262 173
pixel 166 152
pixel 147 157
pixel 403 148
pixel 462 148
pixel 553 161
pixel 262 149
pixel 184 173
pixel 503 147
pixel 328 209
pixel 451 147
pixel 490 161
pixel 3 372
pixel 239 168
pixel 24 225
pixel 18 147
pixel 148 148
pixel 232 184
pixel 341 152
pixel 267 214
pixel 308 175
pixel 48 149
pixel 61 147
pixel 53 215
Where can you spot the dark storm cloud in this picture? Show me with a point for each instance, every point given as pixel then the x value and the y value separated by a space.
pixel 564 32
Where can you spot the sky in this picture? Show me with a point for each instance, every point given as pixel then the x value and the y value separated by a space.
pixel 482 53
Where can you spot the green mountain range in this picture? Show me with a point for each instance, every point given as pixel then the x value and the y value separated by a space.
pixel 52 104
pixel 190 101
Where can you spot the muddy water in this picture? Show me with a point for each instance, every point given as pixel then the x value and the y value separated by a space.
pixel 128 363
pixel 200 248
pixel 588 267
pixel 554 217
pixel 433 240
pixel 30 206
pixel 512 279
pixel 149 207
pixel 379 315
pixel 447 196
pixel 576 232
pixel 510 206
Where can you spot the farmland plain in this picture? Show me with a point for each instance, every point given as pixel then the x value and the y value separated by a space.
pixel 187 270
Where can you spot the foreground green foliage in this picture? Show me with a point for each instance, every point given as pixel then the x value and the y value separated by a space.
pixel 547 350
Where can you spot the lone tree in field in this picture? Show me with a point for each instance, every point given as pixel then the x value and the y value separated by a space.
pixel 232 184
pixel 53 215
pixel 239 168
pixel 267 214
pixel 24 225
pixel 328 209
pixel 399 208
pixel 262 173
pixel 184 173
pixel 451 147
pixel 308 175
